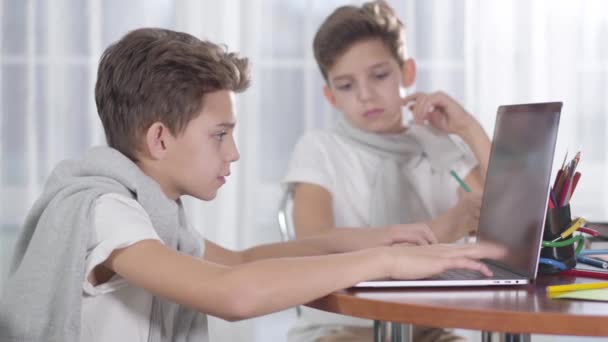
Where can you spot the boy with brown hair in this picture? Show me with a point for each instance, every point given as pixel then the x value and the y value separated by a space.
pixel 372 170
pixel 106 253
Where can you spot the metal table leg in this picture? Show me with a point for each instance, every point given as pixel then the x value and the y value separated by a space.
pixel 487 336
pixel 378 331
pixel 392 332
pixel 401 332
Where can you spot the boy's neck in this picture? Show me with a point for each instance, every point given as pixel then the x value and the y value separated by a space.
pixel 398 130
pixel 153 171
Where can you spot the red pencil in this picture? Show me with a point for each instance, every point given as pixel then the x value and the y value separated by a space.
pixel 563 195
pixel 556 184
pixel 585 273
pixel 589 231
pixel 577 176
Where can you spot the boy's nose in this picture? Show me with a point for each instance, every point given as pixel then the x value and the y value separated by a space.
pixel 364 93
pixel 236 156
pixel 231 151
pixel 233 155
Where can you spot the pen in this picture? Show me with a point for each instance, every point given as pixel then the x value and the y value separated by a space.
pixel 460 181
pixel 576 225
pixel 592 261
pixel 553 289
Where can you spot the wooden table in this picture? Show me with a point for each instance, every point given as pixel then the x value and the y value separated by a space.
pixel 514 311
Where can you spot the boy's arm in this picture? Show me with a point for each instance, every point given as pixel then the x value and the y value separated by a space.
pixel 227 292
pixel 313 217
pixel 312 210
pixel 479 142
pixel 341 240
pixel 474 180
pixel 320 236
pixel 460 220
pixel 441 111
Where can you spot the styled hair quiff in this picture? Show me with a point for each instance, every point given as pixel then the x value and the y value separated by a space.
pixel 351 24
pixel 158 75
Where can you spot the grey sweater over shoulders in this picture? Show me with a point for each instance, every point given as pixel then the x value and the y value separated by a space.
pixel 42 297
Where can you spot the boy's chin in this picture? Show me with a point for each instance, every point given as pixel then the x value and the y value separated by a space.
pixel 208 196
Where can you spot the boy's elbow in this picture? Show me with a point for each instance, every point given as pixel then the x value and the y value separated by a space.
pixel 239 309
pixel 237 306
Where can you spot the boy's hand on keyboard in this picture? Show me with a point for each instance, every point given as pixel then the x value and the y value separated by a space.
pixel 415 234
pixel 351 239
pixel 419 262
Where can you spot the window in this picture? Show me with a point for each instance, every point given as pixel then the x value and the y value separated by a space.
pixel 48 66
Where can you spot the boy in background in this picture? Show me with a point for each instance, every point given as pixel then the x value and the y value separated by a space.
pixel 106 252
pixel 371 170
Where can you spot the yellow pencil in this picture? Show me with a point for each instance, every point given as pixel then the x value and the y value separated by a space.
pixel 556 289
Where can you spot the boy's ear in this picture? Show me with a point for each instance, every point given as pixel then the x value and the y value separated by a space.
pixel 329 95
pixel 408 72
pixel 156 140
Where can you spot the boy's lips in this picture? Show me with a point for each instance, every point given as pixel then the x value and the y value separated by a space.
pixel 222 179
pixel 373 112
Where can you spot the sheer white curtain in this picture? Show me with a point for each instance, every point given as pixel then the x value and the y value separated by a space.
pixel 488 53
pixel 550 50
pixel 484 53
pixel 48 59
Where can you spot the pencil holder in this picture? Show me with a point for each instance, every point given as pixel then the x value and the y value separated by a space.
pixel 557 221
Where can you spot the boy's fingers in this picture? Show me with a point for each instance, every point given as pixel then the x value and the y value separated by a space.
pixel 425 108
pixel 440 99
pixel 415 111
pixel 420 114
pixel 410 98
pixel 476 251
pixel 471 265
pixel 421 241
pixel 429 235
pixel 484 250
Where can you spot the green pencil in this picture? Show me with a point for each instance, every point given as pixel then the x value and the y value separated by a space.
pixel 460 181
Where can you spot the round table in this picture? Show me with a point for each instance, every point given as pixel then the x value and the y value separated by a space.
pixel 514 311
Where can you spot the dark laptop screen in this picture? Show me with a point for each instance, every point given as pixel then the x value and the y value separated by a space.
pixel 517 183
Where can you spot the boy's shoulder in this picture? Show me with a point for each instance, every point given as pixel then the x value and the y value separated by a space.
pixel 325 142
pixel 326 138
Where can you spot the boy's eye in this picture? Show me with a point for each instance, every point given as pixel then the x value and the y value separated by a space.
pixel 343 87
pixel 381 75
pixel 220 136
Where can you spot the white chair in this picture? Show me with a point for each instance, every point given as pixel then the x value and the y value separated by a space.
pixel 285 216
pixel 285 220
pixel 382 330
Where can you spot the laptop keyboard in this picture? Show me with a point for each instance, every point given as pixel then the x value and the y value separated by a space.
pixel 464 274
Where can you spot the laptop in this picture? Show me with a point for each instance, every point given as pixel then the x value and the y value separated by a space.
pixel 515 198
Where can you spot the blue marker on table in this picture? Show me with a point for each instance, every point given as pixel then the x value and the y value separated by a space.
pixel 592 261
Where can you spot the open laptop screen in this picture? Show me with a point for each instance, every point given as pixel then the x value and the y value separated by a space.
pixel 517 184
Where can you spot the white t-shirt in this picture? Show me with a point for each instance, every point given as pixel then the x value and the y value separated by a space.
pixel 346 171
pixel 115 310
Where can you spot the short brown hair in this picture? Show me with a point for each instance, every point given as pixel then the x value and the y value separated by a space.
pixel 154 74
pixel 350 24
